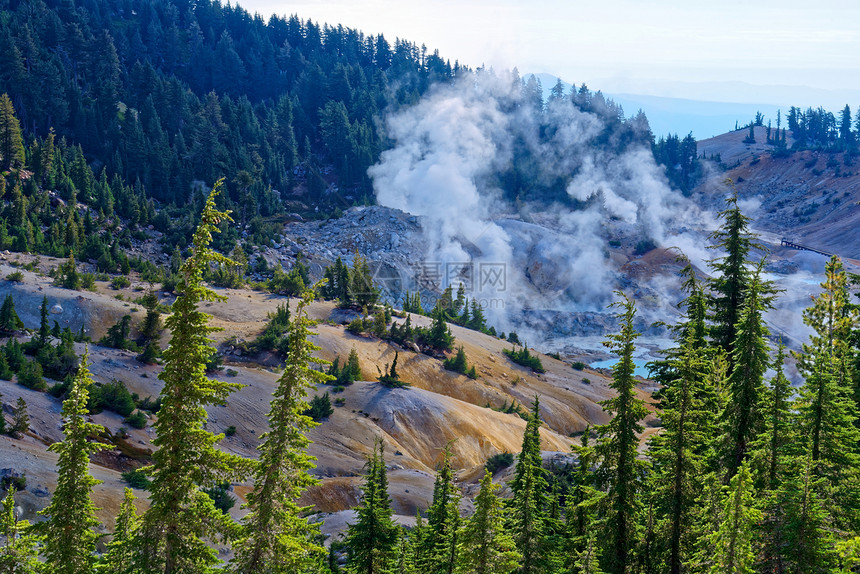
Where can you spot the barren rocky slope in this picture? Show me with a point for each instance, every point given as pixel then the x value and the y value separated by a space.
pixel 810 197
pixel 415 423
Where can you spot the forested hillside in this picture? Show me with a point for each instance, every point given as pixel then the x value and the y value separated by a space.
pixel 165 93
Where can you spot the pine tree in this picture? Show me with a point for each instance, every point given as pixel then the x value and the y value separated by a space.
pixel 777 433
pixel 372 539
pixel 460 301
pixel 528 505
pixel 587 560
pixel 361 283
pixel 477 321
pixel 443 521
pixel 677 453
pixel 11 144
pixel 583 500
pixel 826 411
pixel 804 536
pixel 119 557
pixel 750 360
pixel 20 419
pixel 276 537
pixel 19 554
pixel 186 459
pixel 731 277
pixel 733 541
pixel 617 447
pixel 706 514
pixel 69 532
pixel 9 320
pixel 485 545
pixel 44 329
pixel 439 337
pixel 773 451
pixel 353 366
pixel 405 563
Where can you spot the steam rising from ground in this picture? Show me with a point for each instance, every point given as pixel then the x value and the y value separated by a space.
pixel 450 147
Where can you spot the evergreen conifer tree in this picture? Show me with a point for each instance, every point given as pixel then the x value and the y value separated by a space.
pixel 774 452
pixel 583 500
pixel 20 419
pixel 777 434
pixel 119 557
pixel 353 366
pixel 617 447
pixel 19 554
pixel 186 461
pixel 733 541
pixel 9 320
pixel 676 456
pixel 372 539
pixel 44 328
pixel 587 560
pixel 750 360
pixel 801 539
pixel 528 505
pixel 731 277
pixel 69 533
pixel 276 538
pixel 827 414
pixel 443 521
pixel 11 144
pixel 405 554
pixel 361 283
pixel 485 545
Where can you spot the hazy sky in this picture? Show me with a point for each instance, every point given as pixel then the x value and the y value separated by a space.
pixel 658 47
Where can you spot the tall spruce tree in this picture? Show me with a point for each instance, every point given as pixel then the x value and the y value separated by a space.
pixel 11 144
pixel 750 361
pixel 443 521
pixel 677 454
pixel 486 547
pixel 181 515
pixel 19 553
pixel 276 537
pixel 803 540
pixel 588 559
pixel 69 532
pixel 529 501
pixel 119 557
pixel 583 500
pixel 617 447
pixel 777 434
pixel 733 541
pixel 731 276
pixel 826 410
pixel 773 451
pixel 372 540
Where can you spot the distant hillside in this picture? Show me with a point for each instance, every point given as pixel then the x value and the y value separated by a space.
pixel 808 196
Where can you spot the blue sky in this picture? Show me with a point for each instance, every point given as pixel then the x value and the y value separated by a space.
pixel 761 51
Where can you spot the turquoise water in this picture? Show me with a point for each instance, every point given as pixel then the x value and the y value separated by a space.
pixel 609 363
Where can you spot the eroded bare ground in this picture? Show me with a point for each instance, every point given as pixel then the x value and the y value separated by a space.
pixel 810 197
pixel 415 423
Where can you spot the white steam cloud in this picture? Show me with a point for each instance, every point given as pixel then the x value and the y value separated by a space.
pixel 447 149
